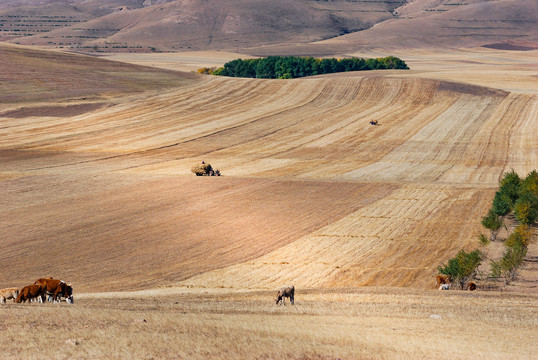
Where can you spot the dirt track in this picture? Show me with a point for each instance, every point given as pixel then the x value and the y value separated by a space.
pixel 311 193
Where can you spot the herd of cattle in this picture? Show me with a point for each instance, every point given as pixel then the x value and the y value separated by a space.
pixel 42 288
pixel 56 289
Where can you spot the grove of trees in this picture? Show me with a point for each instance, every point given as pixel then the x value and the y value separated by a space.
pixel 289 67
pixel 518 197
pixel 515 196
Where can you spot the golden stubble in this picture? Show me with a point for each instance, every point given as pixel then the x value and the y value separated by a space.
pixel 366 323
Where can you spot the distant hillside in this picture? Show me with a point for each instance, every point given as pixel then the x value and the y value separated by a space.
pixel 503 24
pixel 187 24
pixel 164 25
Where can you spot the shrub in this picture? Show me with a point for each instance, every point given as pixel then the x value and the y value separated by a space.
pixel 483 239
pixel 206 70
pixel 495 269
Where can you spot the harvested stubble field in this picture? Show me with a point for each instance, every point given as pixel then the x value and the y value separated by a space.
pixel 358 323
pixel 96 189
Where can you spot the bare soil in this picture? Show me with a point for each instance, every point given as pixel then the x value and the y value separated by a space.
pixel 96 189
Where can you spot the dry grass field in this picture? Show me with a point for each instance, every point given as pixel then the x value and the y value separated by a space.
pixel 96 189
pixel 358 323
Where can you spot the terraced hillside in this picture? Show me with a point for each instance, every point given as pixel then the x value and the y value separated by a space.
pixel 311 193
pixel 279 27
pixel 145 26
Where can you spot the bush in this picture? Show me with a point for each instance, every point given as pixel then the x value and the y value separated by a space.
pixel 483 239
pixel 206 70
pixel 495 269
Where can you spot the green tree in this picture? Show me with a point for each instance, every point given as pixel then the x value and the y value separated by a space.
pixel 526 209
pixel 530 184
pixel 265 68
pixel 526 206
pixel 511 261
pixel 501 204
pixel 520 237
pixel 514 255
pixel 510 187
pixel 493 223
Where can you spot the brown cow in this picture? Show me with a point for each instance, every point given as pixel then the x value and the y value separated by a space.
pixel 442 279
pixel 471 286
pixel 9 293
pixel 286 292
pixel 31 292
pixel 56 288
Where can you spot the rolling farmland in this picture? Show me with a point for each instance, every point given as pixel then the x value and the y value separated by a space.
pixel 308 182
pixel 96 189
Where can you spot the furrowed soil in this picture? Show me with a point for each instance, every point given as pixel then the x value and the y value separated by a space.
pixel 96 189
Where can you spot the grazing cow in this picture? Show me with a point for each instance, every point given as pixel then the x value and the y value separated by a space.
pixel 55 289
pixel 471 286
pixel 286 292
pixel 444 287
pixel 442 279
pixel 32 292
pixel 9 293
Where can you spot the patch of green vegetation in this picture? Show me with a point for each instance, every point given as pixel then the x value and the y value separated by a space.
pixel 515 196
pixel 289 67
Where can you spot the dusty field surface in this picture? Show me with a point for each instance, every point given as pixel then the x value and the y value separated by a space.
pixel 96 189
pixel 311 193
pixel 365 323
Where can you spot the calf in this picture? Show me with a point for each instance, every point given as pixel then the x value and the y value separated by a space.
pixel 9 293
pixel 471 286
pixel 32 292
pixel 286 292
pixel 442 279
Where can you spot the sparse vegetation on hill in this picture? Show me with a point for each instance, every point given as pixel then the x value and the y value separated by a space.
pixel 289 67
pixel 520 198
pixel 515 196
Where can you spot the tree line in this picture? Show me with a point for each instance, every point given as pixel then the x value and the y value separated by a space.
pixel 290 67
pixel 517 197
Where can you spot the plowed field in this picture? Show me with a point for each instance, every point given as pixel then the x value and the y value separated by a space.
pixel 312 194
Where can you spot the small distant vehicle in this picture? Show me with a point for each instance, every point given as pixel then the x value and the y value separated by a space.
pixel 205 169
